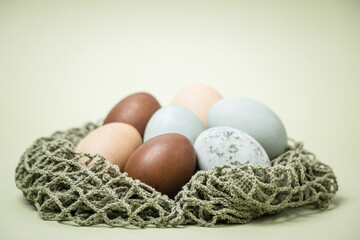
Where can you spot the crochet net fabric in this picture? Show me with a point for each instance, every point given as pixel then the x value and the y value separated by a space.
pixel 51 176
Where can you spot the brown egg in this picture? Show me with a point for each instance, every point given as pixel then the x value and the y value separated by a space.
pixel 165 162
pixel 115 141
pixel 198 99
pixel 135 110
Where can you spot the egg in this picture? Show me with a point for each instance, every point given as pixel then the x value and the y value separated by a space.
pixel 115 141
pixel 136 110
pixel 253 118
pixel 174 119
pixel 165 162
pixel 225 145
pixel 198 99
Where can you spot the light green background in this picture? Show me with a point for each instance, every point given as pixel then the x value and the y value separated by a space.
pixel 63 63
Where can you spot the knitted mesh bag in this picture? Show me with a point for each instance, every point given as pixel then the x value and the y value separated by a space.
pixel 62 188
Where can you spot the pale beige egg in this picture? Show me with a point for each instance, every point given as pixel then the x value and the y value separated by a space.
pixel 115 141
pixel 199 99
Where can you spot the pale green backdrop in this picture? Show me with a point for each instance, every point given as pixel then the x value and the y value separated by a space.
pixel 63 63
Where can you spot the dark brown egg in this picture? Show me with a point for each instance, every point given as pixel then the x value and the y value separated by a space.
pixel 165 162
pixel 135 110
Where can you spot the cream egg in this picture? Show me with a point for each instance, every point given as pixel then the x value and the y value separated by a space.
pixel 115 141
pixel 198 99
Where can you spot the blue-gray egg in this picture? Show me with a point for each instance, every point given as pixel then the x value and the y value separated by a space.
pixel 174 119
pixel 225 145
pixel 253 118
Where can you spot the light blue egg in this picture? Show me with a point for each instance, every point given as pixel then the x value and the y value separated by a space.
pixel 225 145
pixel 174 119
pixel 255 119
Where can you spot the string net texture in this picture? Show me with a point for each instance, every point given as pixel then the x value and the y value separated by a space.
pixel 62 188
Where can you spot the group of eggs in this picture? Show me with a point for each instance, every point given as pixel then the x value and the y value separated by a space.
pixel 164 146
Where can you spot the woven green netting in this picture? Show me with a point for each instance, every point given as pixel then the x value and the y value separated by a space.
pixel 50 175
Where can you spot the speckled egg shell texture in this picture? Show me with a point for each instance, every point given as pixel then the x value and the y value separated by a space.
pixel 226 145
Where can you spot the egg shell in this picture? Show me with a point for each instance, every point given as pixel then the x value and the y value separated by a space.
pixel 165 162
pixel 253 118
pixel 225 145
pixel 174 119
pixel 136 110
pixel 115 141
pixel 198 99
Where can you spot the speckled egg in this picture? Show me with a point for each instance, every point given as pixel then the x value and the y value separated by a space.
pixel 253 118
pixel 174 119
pixel 225 145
